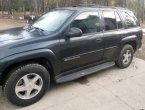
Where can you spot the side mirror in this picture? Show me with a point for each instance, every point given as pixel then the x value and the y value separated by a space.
pixel 74 32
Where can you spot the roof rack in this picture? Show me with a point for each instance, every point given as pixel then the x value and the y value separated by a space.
pixel 92 5
pixel 97 6
pixel 84 5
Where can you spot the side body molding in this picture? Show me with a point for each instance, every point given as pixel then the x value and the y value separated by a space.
pixel 129 39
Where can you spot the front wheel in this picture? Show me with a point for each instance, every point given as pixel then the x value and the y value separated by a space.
pixel 125 57
pixel 26 84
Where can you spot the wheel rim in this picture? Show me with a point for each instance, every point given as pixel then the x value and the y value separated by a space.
pixel 127 57
pixel 29 86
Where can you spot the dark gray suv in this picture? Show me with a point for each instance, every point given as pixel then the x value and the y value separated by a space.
pixel 62 45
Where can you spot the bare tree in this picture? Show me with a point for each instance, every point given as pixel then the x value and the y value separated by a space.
pixel 142 10
pixel 39 6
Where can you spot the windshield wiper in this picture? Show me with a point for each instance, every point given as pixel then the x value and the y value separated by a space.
pixel 37 28
pixel 30 27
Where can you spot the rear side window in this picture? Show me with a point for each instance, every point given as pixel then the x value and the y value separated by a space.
pixel 118 21
pixel 130 19
pixel 109 20
pixel 88 22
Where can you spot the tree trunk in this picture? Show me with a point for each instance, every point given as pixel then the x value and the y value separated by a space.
pixel 142 10
pixel 2 7
pixel 9 7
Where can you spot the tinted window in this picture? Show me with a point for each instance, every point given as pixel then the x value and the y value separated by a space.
pixel 109 20
pixel 118 21
pixel 130 19
pixel 88 22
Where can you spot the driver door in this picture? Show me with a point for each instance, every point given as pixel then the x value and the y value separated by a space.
pixel 86 49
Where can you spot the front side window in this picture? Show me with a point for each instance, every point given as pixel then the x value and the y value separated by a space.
pixel 109 20
pixel 88 22
pixel 53 20
pixel 130 19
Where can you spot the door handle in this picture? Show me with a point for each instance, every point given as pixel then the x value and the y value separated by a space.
pixel 98 40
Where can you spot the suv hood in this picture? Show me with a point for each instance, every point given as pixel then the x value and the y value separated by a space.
pixel 16 34
pixel 19 34
pixel 17 40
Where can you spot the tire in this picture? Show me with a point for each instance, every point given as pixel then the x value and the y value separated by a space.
pixel 121 63
pixel 26 84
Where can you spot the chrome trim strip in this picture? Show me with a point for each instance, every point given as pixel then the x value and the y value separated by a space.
pixel 129 37
pixel 71 58
pixel 110 47
pixel 78 56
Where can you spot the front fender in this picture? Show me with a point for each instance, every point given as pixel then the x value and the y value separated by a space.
pixel 25 56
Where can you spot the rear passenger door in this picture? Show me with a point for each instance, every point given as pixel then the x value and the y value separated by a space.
pixel 132 26
pixel 113 31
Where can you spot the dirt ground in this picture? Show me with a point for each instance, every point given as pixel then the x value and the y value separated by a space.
pixel 8 23
pixel 111 89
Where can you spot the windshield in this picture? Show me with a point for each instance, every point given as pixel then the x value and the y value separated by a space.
pixel 53 20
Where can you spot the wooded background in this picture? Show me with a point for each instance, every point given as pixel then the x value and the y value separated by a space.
pixel 36 7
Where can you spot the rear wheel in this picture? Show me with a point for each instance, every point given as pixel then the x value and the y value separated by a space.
pixel 26 84
pixel 125 57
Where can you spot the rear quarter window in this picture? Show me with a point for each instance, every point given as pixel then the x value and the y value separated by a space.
pixel 109 20
pixel 118 21
pixel 129 19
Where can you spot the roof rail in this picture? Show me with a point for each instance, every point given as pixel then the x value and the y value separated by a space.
pixel 122 8
pixel 98 6
pixel 93 5
pixel 102 6
pixel 84 5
